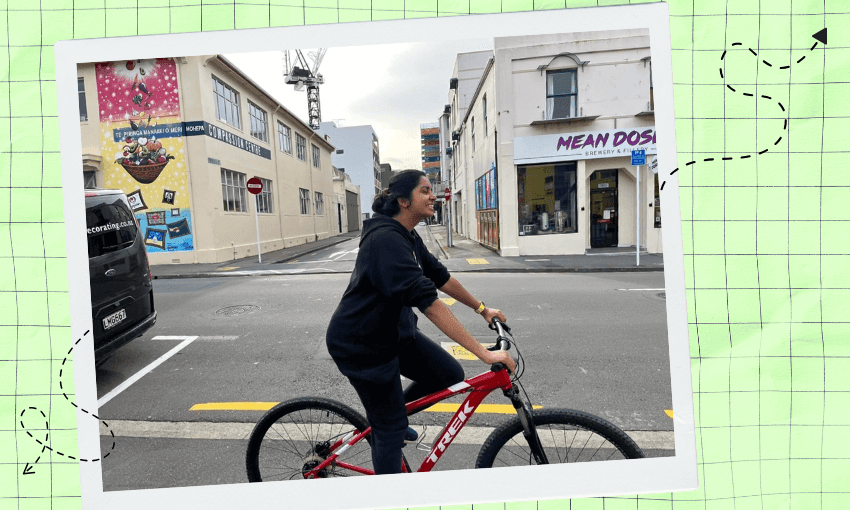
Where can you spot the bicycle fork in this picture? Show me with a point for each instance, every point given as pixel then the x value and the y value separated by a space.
pixel 529 430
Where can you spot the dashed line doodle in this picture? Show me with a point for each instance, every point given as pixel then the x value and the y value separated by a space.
pixel 29 468
pixel 820 36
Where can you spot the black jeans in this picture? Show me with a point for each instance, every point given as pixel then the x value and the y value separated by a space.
pixel 431 369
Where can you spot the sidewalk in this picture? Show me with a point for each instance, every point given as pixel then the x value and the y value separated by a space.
pixel 464 255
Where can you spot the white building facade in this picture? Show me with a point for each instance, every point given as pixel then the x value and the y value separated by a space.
pixel 544 148
pixel 357 153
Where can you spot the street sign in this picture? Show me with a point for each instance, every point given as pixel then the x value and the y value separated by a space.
pixel 639 157
pixel 255 186
pixel 448 193
pixel 653 164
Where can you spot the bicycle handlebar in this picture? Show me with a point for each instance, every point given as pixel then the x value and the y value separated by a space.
pixel 502 342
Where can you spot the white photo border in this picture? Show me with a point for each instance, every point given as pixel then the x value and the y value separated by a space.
pixel 629 477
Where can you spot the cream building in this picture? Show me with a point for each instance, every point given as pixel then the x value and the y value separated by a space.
pixel 182 136
pixel 544 148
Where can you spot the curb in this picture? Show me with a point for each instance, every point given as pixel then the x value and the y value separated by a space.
pixel 437 241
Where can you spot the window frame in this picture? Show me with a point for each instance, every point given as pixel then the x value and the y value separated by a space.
pixel 320 203
pixel 265 199
pixel 304 200
pixel 284 138
pixel 236 185
pixel 573 108
pixel 316 154
pixel 301 147
pixel 568 168
pixel 81 92
pixel 231 105
pixel 253 118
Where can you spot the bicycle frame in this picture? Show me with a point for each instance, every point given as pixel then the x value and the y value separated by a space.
pixel 478 387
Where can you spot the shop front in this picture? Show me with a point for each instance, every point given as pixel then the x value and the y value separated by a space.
pixel 578 191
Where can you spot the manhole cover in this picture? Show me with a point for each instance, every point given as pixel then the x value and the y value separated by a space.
pixel 662 295
pixel 230 311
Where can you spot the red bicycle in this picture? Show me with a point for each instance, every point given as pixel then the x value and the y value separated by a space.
pixel 322 438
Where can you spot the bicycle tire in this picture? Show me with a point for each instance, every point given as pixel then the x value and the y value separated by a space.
pixel 287 441
pixel 506 445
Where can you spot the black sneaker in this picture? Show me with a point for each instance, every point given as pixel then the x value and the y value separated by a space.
pixel 411 436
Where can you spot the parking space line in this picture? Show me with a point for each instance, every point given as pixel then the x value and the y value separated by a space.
pixel 143 372
pixel 477 261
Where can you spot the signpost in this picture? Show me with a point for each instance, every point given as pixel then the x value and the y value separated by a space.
pixel 255 187
pixel 638 159
pixel 447 201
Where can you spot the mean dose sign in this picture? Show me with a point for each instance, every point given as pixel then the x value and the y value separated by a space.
pixel 255 186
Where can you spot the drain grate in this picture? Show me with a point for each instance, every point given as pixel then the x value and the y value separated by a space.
pixel 662 295
pixel 231 311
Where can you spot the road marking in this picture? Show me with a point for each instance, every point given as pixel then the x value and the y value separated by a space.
pixel 234 406
pixel 219 337
pixel 669 412
pixel 448 301
pixel 231 268
pixel 536 260
pixel 644 289
pixel 459 352
pixel 483 408
pixel 138 375
pixel 647 440
pixel 477 261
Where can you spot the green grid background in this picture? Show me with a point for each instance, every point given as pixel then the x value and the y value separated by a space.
pixel 766 239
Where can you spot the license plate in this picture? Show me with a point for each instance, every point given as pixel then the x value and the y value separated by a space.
pixel 114 319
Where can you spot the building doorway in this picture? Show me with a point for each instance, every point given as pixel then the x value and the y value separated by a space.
pixel 603 209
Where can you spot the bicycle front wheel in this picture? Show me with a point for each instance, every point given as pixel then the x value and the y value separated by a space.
pixel 566 436
pixel 295 436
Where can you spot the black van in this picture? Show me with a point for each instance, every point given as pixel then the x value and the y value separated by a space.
pixel 121 289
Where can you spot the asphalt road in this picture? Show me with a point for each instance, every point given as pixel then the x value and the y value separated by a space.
pixel 595 342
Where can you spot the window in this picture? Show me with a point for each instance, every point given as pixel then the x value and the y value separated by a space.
pixel 304 197
pixel 484 106
pixel 90 179
pixel 81 88
pixel 547 199
pixel 320 204
pixel 561 94
pixel 226 103
pixel 284 138
pixel 233 191
pixel 316 162
pixel 259 130
pixel 472 132
pixel 300 147
pixel 265 202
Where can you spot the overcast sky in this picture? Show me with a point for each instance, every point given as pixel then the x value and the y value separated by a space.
pixel 394 88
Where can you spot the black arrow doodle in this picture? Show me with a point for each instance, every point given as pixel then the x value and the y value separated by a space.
pixel 820 36
pixel 30 469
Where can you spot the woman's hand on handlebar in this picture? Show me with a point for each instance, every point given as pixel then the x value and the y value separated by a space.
pixel 492 357
pixel 489 313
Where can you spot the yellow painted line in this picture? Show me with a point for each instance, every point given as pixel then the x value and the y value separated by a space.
pixel 483 408
pixel 234 406
pixel 477 261
pixel 459 352
pixel 448 301
pixel 226 268
pixel 669 412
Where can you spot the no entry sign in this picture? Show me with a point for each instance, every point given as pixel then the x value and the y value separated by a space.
pixel 255 185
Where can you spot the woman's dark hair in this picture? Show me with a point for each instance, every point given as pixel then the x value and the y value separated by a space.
pixel 401 186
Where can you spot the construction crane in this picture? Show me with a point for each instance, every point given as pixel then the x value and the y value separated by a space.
pixel 299 73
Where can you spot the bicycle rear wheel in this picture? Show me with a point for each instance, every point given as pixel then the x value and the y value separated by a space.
pixel 566 435
pixel 295 436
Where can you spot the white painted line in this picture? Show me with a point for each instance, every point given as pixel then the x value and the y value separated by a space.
pixel 536 260
pixel 645 289
pixel 143 372
pixel 216 337
pixel 647 440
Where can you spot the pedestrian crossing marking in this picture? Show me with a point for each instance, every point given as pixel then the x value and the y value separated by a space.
pixel 459 352
pixel 448 301
pixel 477 261
pixel 483 408
pixel 669 412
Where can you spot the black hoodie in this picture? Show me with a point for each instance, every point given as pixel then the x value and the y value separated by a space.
pixel 394 272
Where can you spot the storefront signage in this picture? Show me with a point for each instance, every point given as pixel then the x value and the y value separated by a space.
pixel 236 141
pixel 611 143
pixel 172 130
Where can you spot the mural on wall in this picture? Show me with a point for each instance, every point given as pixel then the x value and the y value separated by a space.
pixel 142 147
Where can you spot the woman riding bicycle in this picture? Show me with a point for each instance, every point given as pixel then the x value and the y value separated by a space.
pixel 373 335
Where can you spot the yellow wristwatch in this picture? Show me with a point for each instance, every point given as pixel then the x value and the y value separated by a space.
pixel 480 308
